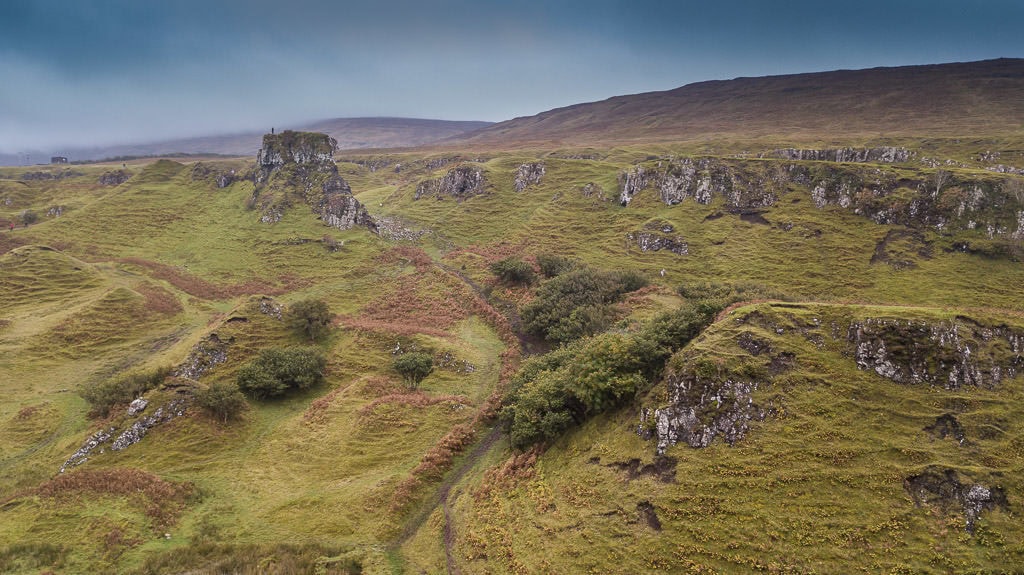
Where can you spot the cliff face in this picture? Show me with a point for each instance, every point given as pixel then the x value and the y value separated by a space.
pixel 936 199
pixel 299 167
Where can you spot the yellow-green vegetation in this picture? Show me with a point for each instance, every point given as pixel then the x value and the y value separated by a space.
pixel 359 471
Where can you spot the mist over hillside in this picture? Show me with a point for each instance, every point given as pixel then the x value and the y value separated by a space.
pixel 351 133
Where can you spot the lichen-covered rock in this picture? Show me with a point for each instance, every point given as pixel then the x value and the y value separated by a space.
pixel 528 175
pixel 114 178
pixel 204 355
pixel 654 241
pixel 884 154
pixel 942 488
pixel 947 354
pixel 700 409
pixel 460 183
pixel 592 190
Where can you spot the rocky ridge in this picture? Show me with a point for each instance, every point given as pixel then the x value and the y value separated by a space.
pixel 461 183
pixel 934 199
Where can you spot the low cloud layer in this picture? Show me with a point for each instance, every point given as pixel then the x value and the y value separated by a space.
pixel 117 71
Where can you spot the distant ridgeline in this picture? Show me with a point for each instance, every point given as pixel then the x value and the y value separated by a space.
pixel 298 167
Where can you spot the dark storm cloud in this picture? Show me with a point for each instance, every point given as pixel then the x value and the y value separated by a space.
pixel 80 72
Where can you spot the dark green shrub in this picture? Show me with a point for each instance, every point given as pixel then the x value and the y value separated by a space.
pixel 576 303
pixel 414 367
pixel 551 393
pixel 276 371
pixel 121 389
pixel 222 400
pixel 553 265
pixel 28 217
pixel 513 271
pixel 310 317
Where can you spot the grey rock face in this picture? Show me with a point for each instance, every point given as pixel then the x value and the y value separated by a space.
pixel 700 409
pixel 653 242
pixel 267 306
pixel 528 175
pixel 700 179
pixel 884 154
pixel 882 195
pixel 460 183
pixel 310 150
pixel 944 354
pixel 340 209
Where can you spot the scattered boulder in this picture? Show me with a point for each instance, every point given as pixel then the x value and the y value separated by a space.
pixel 137 406
pixel 267 306
pixel 592 190
pixel 753 345
pixel 528 175
pixel 82 455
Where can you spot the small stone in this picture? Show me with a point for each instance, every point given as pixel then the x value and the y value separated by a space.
pixel 136 407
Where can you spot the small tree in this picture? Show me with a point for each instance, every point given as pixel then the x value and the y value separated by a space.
pixel 310 317
pixel 222 400
pixel 552 265
pixel 513 270
pixel 277 371
pixel 940 178
pixel 28 217
pixel 414 367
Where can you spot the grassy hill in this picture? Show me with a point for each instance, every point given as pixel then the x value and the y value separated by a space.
pixel 962 100
pixel 841 424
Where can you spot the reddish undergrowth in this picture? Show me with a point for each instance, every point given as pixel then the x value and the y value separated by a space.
pixel 200 288
pixel 161 500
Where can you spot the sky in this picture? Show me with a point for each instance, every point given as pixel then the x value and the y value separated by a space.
pixel 100 72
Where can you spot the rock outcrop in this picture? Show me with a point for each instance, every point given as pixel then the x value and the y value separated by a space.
pixel 460 183
pixel 699 409
pixel 942 488
pixel 114 178
pixel 528 175
pixel 654 242
pixel 299 166
pixel 947 354
pixel 934 199
pixel 884 154
pixel 206 354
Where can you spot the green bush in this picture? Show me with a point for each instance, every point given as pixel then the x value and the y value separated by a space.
pixel 121 389
pixel 222 400
pixel 277 371
pixel 551 393
pixel 310 317
pixel 576 303
pixel 513 271
pixel 414 367
pixel 553 265
pixel 28 217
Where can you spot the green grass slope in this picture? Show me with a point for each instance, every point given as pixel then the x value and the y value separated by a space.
pixel 362 472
